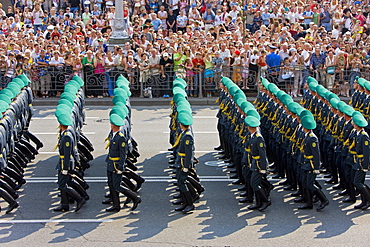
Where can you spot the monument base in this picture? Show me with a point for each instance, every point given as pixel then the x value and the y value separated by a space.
pixel 117 42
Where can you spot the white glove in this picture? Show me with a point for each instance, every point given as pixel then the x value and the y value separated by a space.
pixel 316 171
pixel 119 172
pixel 364 170
pixel 185 169
pixel 263 171
pixel 64 172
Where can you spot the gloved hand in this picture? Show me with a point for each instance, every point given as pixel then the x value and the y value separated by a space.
pixel 365 170
pixel 119 172
pixel 185 169
pixel 65 172
pixel 263 171
pixel 316 171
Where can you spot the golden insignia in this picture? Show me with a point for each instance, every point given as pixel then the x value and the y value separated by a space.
pixel 261 145
pixel 366 143
pixel 67 144
pixel 123 144
pixel 187 142
pixel 314 144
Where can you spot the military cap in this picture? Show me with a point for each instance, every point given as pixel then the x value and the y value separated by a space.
pixel 265 82
pixel 178 97
pixel 7 92
pixel 3 106
pixel 252 121
pixel 69 96
pixel 74 83
pixel 273 88
pixel 253 113
pixel 116 120
pixel 123 107
pixel 79 80
pixel 66 102
pixel 308 122
pixel 14 89
pixel 183 108
pixel 334 103
pixel 305 113
pixel 177 90
pixel 367 85
pixel 118 98
pixel 332 96
pixel 65 119
pixel 70 88
pixel 240 101
pixel 119 111
pixel 233 90
pixel 24 78
pixel 127 89
pixel 313 86
pixel 360 81
pixel 240 94
pixel 180 81
pixel 19 82
pixel 246 104
pixel 341 104
pixel 226 80
pixel 321 90
pixel 6 98
pixel 359 119
pixel 311 79
pixel 185 118
pixel 286 99
pixel 279 94
pixel 299 110
pixel 292 107
pixel 178 84
pixel 346 109
pixel 63 107
pixel 124 79
pixel 120 91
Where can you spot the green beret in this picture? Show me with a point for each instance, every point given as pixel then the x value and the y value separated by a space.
pixel 239 102
pixel 252 121
pixel 341 104
pixel 359 119
pixel 265 82
pixel 121 92
pixel 279 94
pixel 79 80
pixel 7 92
pixel 177 90
pixel 292 107
pixel 367 85
pixel 25 79
pixel 273 88
pixel 286 99
pixel 332 96
pixel 14 89
pixel 178 97
pixel 65 119
pixel 246 104
pixel 299 110
pixel 70 88
pixel 305 113
pixel 334 103
pixel 348 110
pixel 123 107
pixel 19 81
pixel 124 80
pixel 178 84
pixel 116 120
pixel 311 80
pixel 240 94
pixel 119 111
pixel 321 90
pixel 233 90
pixel 127 89
pixel 308 122
pixel 360 81
pixel 3 106
pixel 313 86
pixel 118 98
pixel 74 83
pixel 253 113
pixel 185 118
pixel 226 80
pixel 69 96
pixel 66 102
pixel 64 107
pixel 6 98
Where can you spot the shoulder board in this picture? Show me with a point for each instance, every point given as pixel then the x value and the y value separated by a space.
pixel 311 135
pixel 187 132
pixel 257 135
pixel 120 134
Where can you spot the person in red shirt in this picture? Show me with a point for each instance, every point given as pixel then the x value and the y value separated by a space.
pixel 198 65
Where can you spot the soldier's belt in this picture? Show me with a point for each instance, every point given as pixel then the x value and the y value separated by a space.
pixel 247 150
pixel 114 158
pixel 256 157
pixel 62 156
pixel 181 154
pixel 352 152
pixel 308 157
pixel 360 155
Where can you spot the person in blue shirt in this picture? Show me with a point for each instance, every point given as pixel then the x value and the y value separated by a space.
pixel 273 61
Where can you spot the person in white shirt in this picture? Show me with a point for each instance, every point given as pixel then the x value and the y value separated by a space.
pixel 56 60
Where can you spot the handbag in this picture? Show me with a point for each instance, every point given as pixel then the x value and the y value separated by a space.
pixel 330 70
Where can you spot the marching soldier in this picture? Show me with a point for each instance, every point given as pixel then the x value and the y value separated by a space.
pixel 116 158
pixel 66 164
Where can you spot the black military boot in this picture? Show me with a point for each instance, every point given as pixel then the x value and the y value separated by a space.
pixel 308 199
pixel 265 200
pixel 258 202
pixel 363 202
pixel 80 200
pixel 116 204
pixel 64 207
pixel 184 203
pixel 136 200
pixel 324 201
pixel 9 199
pixel 197 186
pixel 127 183
pixel 190 206
pixel 366 192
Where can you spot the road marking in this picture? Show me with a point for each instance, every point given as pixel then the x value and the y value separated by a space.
pixel 55 221
pixel 56 133
pixel 197 132
pixel 54 118
pixel 162 152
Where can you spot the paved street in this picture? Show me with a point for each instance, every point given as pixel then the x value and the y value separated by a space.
pixel 219 220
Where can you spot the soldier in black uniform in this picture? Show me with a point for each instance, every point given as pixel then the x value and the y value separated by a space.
pixel 116 158
pixel 66 164
pixel 185 158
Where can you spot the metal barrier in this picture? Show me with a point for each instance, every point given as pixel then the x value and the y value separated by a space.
pixel 151 82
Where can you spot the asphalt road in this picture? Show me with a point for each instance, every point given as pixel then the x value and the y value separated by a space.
pixel 219 220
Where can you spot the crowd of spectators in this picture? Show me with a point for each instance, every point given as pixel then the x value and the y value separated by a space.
pixel 199 40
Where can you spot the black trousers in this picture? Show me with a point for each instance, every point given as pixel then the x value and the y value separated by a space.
pixel 308 180
pixel 256 180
